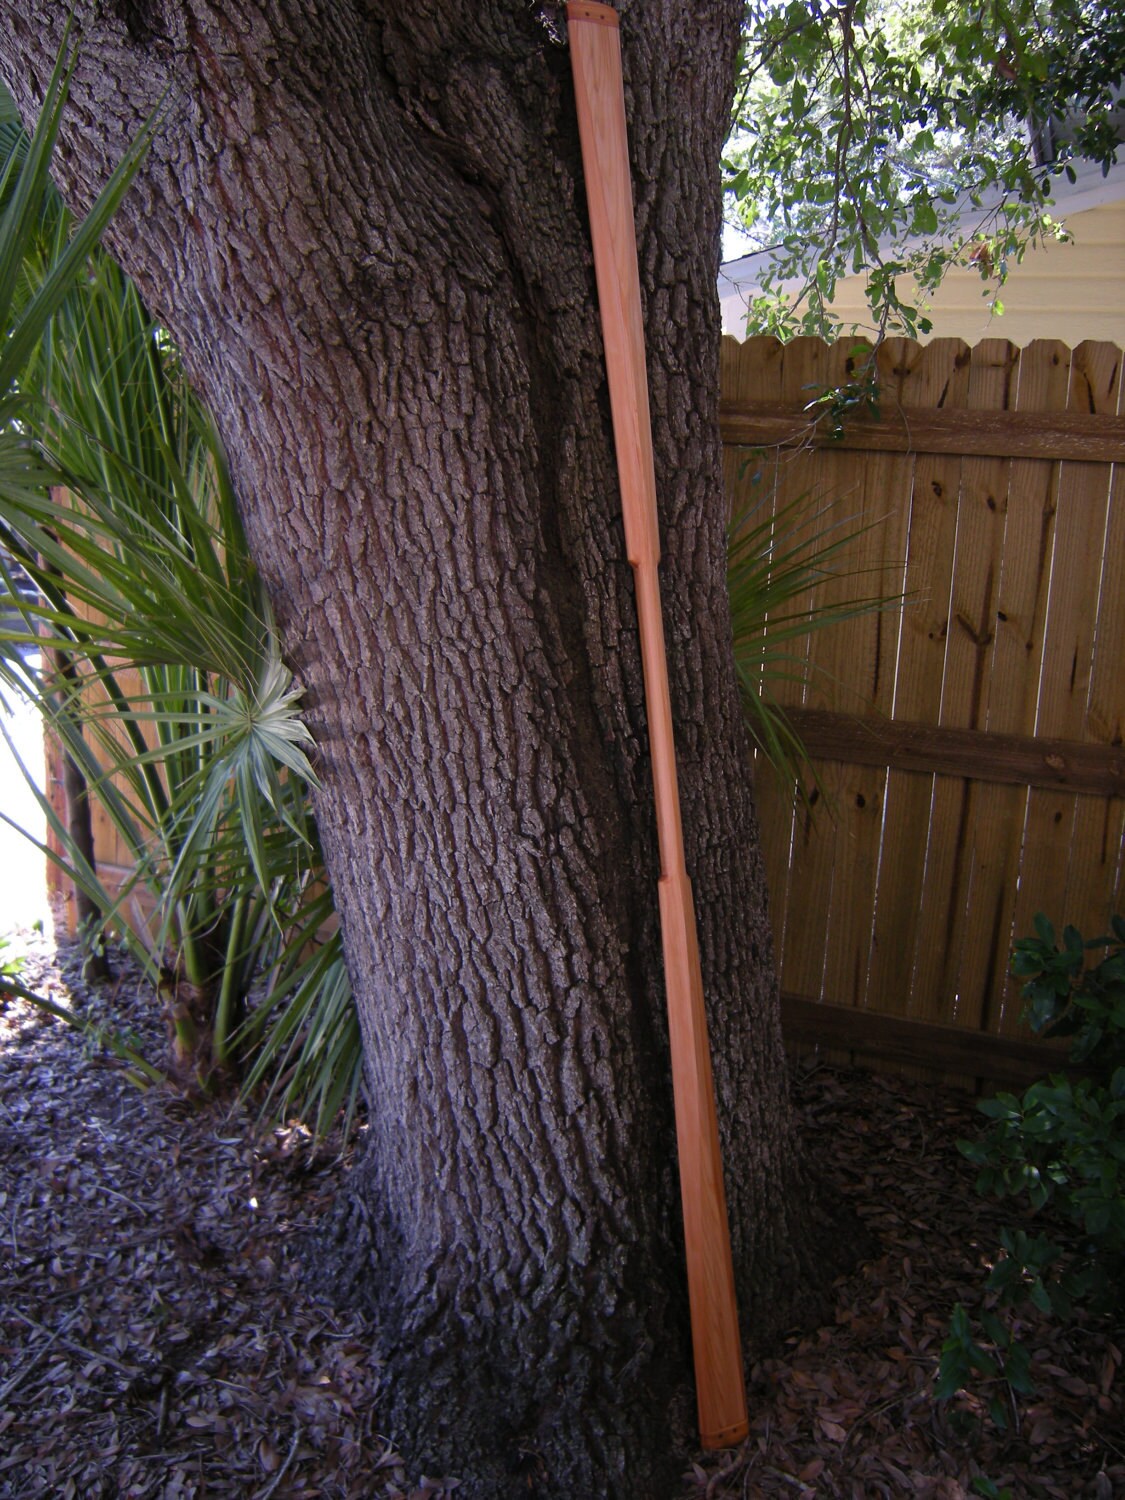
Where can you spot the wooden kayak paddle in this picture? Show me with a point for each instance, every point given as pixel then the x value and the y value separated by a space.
pixel 595 51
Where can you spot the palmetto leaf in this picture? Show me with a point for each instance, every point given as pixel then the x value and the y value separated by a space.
pixel 309 1053
pixel 777 561
pixel 27 179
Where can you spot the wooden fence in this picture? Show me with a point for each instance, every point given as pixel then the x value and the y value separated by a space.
pixel 112 853
pixel 969 746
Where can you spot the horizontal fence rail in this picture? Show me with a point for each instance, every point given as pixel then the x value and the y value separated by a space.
pixel 1010 434
pixel 967 748
pixel 982 754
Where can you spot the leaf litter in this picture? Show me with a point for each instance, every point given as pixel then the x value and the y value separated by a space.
pixel 847 1410
pixel 157 1338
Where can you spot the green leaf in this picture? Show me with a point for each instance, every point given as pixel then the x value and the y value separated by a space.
pixel 1040 1296
pixel 780 560
pixel 1045 930
pixel 998 1411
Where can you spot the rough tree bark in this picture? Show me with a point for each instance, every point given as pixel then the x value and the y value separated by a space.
pixel 364 224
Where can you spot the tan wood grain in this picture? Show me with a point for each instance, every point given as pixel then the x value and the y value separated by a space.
pixel 986 755
pixel 1095 879
pixel 994 814
pixel 856 669
pixel 989 832
pixel 829 484
pixel 941 917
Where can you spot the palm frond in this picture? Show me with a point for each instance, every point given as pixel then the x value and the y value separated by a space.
pixel 779 561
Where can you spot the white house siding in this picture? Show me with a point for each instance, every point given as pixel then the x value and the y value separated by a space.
pixel 1070 291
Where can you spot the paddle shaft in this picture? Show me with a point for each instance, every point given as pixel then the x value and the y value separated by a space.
pixel 596 61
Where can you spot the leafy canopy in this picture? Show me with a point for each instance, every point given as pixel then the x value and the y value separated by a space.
pixel 865 131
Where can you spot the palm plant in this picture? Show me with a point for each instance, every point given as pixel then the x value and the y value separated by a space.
pixel 162 674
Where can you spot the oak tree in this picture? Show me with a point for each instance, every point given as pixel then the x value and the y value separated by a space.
pixel 364 225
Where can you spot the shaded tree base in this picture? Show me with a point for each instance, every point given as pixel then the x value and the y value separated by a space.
pixel 611 1416
pixel 579 1439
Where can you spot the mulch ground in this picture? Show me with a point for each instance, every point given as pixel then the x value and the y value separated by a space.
pixel 156 1339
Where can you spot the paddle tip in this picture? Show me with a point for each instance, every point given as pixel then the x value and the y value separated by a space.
pixel 590 10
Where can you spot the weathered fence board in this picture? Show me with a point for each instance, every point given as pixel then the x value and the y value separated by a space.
pixel 933 377
pixel 1015 759
pixel 970 747
pixel 915 430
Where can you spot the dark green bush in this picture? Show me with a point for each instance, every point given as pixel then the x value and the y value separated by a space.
pixel 1058 1149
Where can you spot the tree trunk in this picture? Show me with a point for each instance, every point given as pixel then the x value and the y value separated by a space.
pixel 365 226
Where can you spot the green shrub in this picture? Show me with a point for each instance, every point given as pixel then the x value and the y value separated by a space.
pixel 1061 1147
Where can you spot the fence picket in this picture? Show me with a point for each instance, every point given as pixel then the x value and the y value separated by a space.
pixel 995 813
pixel 1098 831
pixel 941 922
pixel 937 375
pixel 1067 651
pixel 808 368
